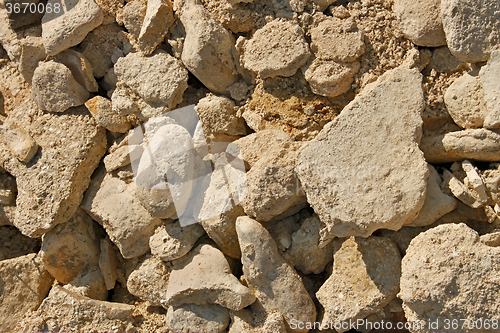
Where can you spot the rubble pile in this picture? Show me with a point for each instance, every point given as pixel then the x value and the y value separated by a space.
pixel 246 166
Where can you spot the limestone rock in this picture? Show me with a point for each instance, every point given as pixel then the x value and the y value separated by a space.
pixel 132 16
pixel 472 28
pixel 421 22
pixel 32 52
pixel 461 191
pixel 489 75
pixel 443 60
pixel 208 47
pixel 207 318
pixel 473 144
pixel 19 141
pixel 24 284
pixel 101 110
pixel 436 202
pixel 112 202
pixel 158 19
pixel 149 281
pixel 91 285
pixel 329 78
pixel 465 102
pixel 121 157
pixel 204 277
pixel 7 189
pixel 279 48
pixel 380 192
pixel 70 249
pixel 365 278
pixel 171 241
pixel 273 281
pixel 257 321
pixel 61 31
pixel 108 263
pixel 55 89
pixel 467 288
pixel 80 67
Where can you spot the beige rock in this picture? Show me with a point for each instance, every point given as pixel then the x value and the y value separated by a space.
pixel 466 288
pixel 207 318
pixel 489 75
pixel 112 202
pixel 492 239
pixel 91 285
pixel 110 8
pixel 70 249
pixel 204 277
pixel 273 281
pixel 24 284
pixel 158 19
pixel 277 49
pixel 7 189
pixel 121 157
pixel 474 144
pixel 471 28
pixel 323 4
pixel 108 263
pixel 465 102
pixel 443 60
pixel 329 78
pixel 32 52
pixel 20 143
pixel 474 181
pixel 379 192
pixel 461 191
pixel 61 31
pixel 365 278
pixel 80 67
pixel 208 47
pixel 436 202
pixel 171 241
pixel 55 89
pixel 238 91
pixel 420 21
pixel 132 16
pixel 149 281
pixel 257 321
pixel 101 110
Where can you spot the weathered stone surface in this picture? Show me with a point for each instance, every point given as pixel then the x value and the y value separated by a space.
pixel 365 278
pixel 257 321
pixel 149 281
pixel 304 253
pixel 207 318
pixel 204 277
pixel 24 284
pixel 121 157
pixel 466 288
pixel 91 285
pixel 101 110
pixel 380 192
pixel 273 281
pixel 112 202
pixel 420 21
pixel 61 31
pixel 51 186
pixel 19 142
pixel 171 241
pixel 436 202
pixel 158 19
pixel 108 263
pixel 472 28
pixel 329 78
pixel 279 48
pixel 489 75
pixel 443 60
pixel 208 47
pixel 465 102
pixel 71 248
pixel 80 67
pixel 32 52
pixel 7 189
pixel 55 89
pixel 474 144
pixel 461 191
pixel 132 16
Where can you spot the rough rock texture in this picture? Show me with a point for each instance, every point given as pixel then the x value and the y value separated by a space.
pixel 211 318
pixel 19 142
pixel 80 67
pixel 329 78
pixel 462 290
pixel 91 285
pixel 472 28
pixel 365 278
pixel 171 241
pixel 421 22
pixel 24 283
pixel 350 201
pixel 279 48
pixel 108 263
pixel 489 80
pixel 149 281
pixel 273 281
pixel 158 19
pixel 101 110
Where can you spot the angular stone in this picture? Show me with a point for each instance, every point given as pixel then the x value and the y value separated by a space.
pixel 158 19
pixel 24 284
pixel 279 48
pixel 91 285
pixel 472 28
pixel 465 102
pixel 207 318
pixel 329 78
pixel 474 181
pixel 110 8
pixel 461 191
pixel 101 110
pixel 112 202
pixel 149 281
pixel 55 89
pixel 443 60
pixel 436 202
pixel 386 188
pixel 51 187
pixel 365 278
pixel 32 52
pixel 19 142
pixel 66 28
pixel 8 189
pixel 273 281
pixel 420 21
pixel 171 241
pixel 80 67
pixel 473 144
pixel 257 321
pixel 70 249
pixel 204 277
pixel 208 47
pixel 108 263
pixel 132 16
pixel 121 157
pixel 489 75
pixel 468 286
